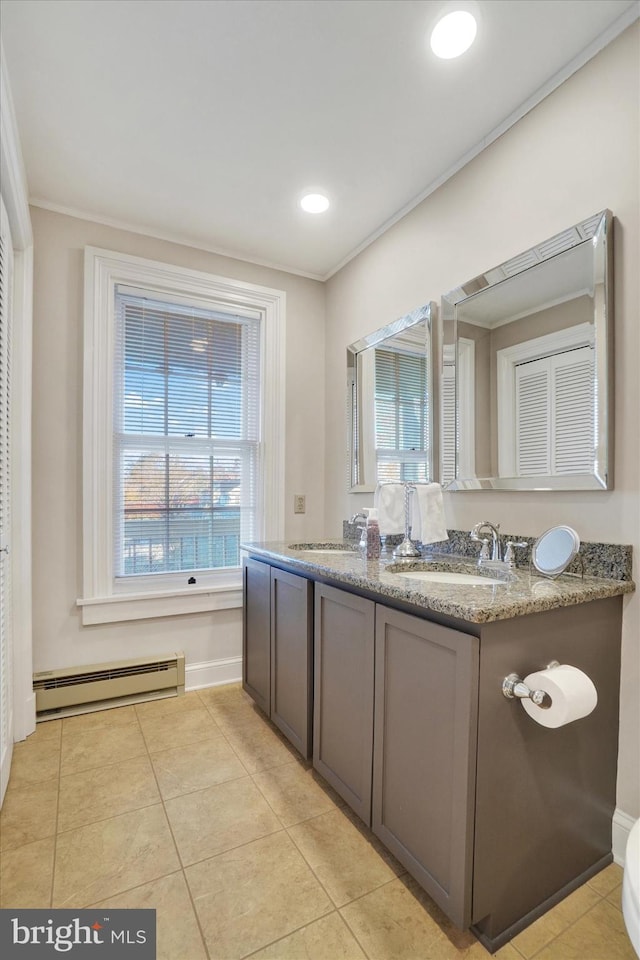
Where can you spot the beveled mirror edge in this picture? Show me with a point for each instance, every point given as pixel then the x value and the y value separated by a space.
pixel 601 478
pixel 428 312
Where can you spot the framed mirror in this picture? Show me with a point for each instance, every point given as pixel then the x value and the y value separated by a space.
pixel 526 369
pixel 390 402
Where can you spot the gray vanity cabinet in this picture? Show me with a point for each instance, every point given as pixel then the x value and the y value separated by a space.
pixel 426 702
pixel 291 657
pixel 277 648
pixel 256 632
pixel 343 694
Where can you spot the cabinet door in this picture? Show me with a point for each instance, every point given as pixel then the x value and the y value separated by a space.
pixel 343 695
pixel 426 696
pixel 291 657
pixel 256 632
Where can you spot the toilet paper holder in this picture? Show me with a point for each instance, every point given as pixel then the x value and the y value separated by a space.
pixel 513 687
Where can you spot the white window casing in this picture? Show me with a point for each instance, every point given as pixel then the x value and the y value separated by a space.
pixel 107 597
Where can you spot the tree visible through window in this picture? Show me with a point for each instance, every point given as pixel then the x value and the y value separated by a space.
pixel 186 432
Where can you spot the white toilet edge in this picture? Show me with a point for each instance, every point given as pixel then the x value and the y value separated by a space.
pixel 631 887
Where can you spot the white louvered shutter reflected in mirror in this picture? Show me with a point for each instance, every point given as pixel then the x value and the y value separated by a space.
pixel 555 428
pixel 186 435
pixel 6 638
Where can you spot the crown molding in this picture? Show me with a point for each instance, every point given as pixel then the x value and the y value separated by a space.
pixel 603 40
pixel 167 236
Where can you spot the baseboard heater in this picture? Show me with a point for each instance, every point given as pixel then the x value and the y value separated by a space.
pixel 73 687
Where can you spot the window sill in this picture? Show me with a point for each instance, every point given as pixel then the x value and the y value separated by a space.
pixel 166 603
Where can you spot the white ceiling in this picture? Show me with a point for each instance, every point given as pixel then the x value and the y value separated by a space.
pixel 205 120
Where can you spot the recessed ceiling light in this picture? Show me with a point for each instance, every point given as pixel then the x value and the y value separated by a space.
pixel 454 34
pixel 315 203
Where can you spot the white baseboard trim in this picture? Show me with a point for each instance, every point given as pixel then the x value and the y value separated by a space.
pixel 212 673
pixel 622 824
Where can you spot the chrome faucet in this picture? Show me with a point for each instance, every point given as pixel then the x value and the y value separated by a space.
pixel 496 550
pixel 358 516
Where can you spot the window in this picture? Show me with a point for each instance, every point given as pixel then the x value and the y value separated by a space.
pixel 402 417
pixel 184 410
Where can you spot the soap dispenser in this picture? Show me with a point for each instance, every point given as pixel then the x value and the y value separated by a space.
pixel 372 532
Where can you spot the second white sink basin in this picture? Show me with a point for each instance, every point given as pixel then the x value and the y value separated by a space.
pixel 448 576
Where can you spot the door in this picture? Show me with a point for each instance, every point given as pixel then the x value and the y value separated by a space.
pixel 343 694
pixel 425 731
pixel 6 667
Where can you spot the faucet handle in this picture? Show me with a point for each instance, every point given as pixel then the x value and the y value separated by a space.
pixel 509 550
pixel 485 553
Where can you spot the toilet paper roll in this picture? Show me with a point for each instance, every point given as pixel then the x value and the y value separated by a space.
pixel 572 693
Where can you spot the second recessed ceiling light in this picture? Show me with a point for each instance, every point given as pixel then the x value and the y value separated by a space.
pixel 453 34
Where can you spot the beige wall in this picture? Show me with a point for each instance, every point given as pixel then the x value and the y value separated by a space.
pixel 58 637
pixel 574 154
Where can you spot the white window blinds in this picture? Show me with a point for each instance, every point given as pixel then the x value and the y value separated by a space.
pixel 186 435
pixel 402 417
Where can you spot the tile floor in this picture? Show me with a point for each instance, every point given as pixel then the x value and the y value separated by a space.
pixel 197 807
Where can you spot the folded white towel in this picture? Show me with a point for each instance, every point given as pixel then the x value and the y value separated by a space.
pixel 389 500
pixel 427 515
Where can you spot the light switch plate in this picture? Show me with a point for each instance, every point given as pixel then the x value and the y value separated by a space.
pixel 299 503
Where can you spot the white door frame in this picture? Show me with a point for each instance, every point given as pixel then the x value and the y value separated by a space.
pixel 15 197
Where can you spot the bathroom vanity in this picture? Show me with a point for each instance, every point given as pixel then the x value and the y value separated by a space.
pixel 393 686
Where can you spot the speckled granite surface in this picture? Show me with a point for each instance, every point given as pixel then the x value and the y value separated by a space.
pixel 609 560
pixel 525 592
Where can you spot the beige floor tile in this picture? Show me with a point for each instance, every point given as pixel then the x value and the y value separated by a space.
pixel 223 688
pixel 168 705
pixel 391 923
pixel 26 875
pixel 446 941
pixel 555 921
pixel 232 706
pixel 348 862
pixel 106 792
pixel 259 746
pixel 615 897
pixel 296 792
pixel 87 749
pixel 251 896
pixel 218 818
pixel 102 859
pixel 164 731
pixel 178 936
pixel 195 766
pixel 28 813
pixel 326 939
pixel 508 952
pixel 46 730
pixel 599 935
pixel 226 692
pixel 607 880
pixel 34 761
pixel 114 717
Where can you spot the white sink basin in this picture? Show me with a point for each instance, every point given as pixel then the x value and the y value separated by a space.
pixel 328 550
pixel 448 576
pixel 322 548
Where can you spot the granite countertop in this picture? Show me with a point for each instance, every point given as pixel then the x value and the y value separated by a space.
pixel 525 592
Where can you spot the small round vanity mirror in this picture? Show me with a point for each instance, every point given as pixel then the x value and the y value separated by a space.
pixel 554 550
